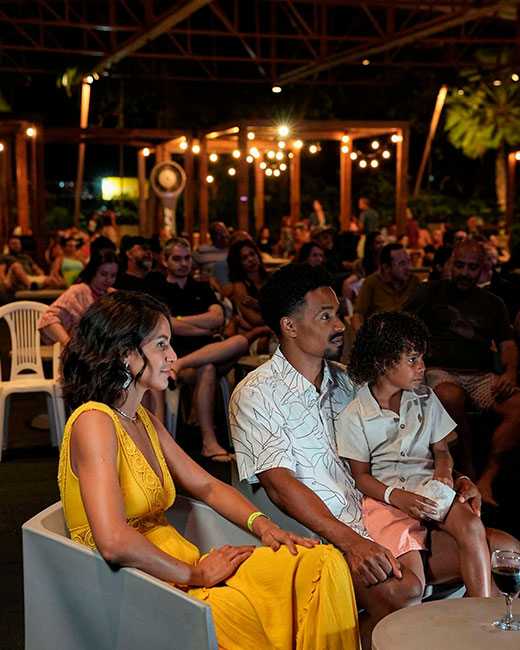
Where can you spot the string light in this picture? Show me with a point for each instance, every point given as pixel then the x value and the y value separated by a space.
pixel 515 77
pixel 183 145
pixel 30 132
pixel 281 144
pixel 363 163
pixel 276 90
pixel 251 135
pixel 231 171
pixel 353 156
pixel 250 159
pixel 298 144
pixel 283 167
pixel 276 172
pixel 210 178
pixel 236 154
pixel 283 131
pixel 89 79
pixel 2 146
pixel 517 154
pixel 497 82
pixel 375 144
pixel 254 152
pixel 196 149
pixel 366 62
pixel 146 152
pixel 291 155
pixel 374 164
pixel 345 149
pixel 386 154
pixel 396 137
pixel 313 149
pixel 345 138
pixel 213 157
pixel 271 154
pixel 279 155
pixel 268 172
pixel 263 165
pixel 460 92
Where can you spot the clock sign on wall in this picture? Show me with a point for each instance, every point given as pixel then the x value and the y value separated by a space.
pixel 168 180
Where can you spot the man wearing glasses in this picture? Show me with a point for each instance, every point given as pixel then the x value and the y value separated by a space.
pixel 473 356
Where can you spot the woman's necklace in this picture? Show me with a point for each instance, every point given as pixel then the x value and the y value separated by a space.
pixel 132 418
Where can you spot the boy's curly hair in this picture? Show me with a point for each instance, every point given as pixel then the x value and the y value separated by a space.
pixel 380 342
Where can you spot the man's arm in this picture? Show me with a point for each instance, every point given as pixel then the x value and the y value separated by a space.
pixel 211 320
pixel 509 359
pixel 368 561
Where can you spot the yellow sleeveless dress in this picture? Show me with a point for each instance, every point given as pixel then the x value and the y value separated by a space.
pixel 274 601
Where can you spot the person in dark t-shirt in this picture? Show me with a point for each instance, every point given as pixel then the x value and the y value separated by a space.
pixel 470 332
pixel 135 264
pixel 197 317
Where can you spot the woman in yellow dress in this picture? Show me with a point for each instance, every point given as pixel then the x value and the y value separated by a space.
pixel 116 477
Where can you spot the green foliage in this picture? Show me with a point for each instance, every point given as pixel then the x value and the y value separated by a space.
pixel 4 106
pixel 437 207
pixel 58 218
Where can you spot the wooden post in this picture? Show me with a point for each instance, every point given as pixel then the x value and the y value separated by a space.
pixel 259 196
pixel 203 190
pixel 243 181
pixel 439 104
pixel 189 190
pixel 4 193
pixel 345 187
pixel 295 189
pixel 141 179
pixel 22 184
pixel 83 123
pixel 401 185
pixel 511 190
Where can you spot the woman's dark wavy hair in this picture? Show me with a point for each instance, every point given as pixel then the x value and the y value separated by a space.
pixel 114 325
pixel 236 270
pixel 380 342
pixel 97 259
pixel 305 251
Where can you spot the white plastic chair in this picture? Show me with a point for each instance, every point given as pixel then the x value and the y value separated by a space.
pixel 26 366
pixel 76 601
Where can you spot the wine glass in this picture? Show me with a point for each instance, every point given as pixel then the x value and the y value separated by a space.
pixel 505 566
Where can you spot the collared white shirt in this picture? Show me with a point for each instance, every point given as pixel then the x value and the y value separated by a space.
pixel 279 419
pixel 396 446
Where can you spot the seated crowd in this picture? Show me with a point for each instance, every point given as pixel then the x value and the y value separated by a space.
pixel 428 325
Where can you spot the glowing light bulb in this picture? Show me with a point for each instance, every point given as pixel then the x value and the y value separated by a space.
pixel 271 154
pixel 2 146
pixel 386 154
pixel 345 138
pixel 89 79
pixel 231 171
pixel 375 144
pixel 313 149
pixel 396 137
pixel 283 131
pixel 374 164
pixel 268 172
pixel 345 149
pixel 283 167
pixel 366 62
pixel 497 82
pixel 30 132
pixel 281 144
pixel 254 152
pixel 353 156
pixel 236 154
pixel 363 164
pixel 276 172
pixel 196 149
pixel 249 159
pixel 291 155
pixel 276 90
pixel 183 145
pixel 515 77
pixel 210 178
pixel 517 154
pixel 279 155
pixel 298 144
pixel 460 92
pixel 146 152
pixel 251 135
pixel 263 165
pixel 213 157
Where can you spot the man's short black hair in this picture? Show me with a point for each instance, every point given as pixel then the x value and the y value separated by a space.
pixel 385 256
pixel 284 292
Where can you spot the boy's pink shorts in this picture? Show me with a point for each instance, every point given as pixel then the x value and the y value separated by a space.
pixel 392 528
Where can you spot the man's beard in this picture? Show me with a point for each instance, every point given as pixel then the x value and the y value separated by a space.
pixel 144 265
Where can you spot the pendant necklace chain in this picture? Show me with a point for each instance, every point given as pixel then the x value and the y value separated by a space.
pixel 132 418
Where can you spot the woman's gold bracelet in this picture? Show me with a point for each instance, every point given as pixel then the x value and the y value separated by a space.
pixel 253 517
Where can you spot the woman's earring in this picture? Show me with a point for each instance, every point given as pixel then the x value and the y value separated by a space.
pixel 128 377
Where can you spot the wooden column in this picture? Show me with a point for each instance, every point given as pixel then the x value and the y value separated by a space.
pixel 259 196
pixel 141 179
pixel 345 187
pixel 401 184
pixel 189 190
pixel 4 192
pixel 243 181
pixel 295 189
pixel 83 123
pixel 22 183
pixel 511 190
pixel 203 190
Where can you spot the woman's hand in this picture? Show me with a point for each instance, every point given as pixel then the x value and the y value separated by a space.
pixel 219 564
pixel 414 505
pixel 273 536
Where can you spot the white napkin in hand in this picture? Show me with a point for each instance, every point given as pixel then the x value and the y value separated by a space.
pixel 439 492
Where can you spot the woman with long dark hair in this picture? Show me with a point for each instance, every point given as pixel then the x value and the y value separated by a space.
pixel 95 280
pixel 116 471
pixel 247 274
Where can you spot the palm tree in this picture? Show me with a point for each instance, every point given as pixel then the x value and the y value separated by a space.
pixel 483 116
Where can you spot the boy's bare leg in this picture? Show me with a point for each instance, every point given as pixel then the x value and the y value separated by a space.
pixel 470 535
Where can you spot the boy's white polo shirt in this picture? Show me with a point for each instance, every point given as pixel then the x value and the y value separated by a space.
pixel 397 446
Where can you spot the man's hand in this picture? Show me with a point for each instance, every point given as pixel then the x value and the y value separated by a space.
pixel 467 492
pixel 371 563
pixel 273 536
pixel 414 505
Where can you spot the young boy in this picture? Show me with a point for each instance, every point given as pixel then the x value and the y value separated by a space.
pixel 395 436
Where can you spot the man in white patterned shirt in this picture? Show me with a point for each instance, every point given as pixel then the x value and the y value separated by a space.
pixel 283 417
